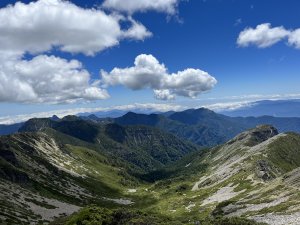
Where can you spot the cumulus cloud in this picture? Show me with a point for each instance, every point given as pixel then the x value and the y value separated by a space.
pixel 148 72
pixel 265 36
pixel 46 79
pixel 294 38
pixel 137 31
pixel 46 24
pixel 132 6
pixel 163 95
pixel 262 36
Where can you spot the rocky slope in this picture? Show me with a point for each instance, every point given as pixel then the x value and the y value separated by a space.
pixel 254 175
pixel 42 179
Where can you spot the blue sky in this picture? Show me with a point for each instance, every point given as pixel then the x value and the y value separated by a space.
pixel 201 35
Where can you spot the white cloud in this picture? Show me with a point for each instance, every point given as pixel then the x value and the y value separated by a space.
pixel 262 36
pixel 64 112
pixel 136 31
pixel 46 24
pixel 147 72
pixel 46 79
pixel 229 106
pixel 229 103
pixel 294 38
pixel 258 97
pixel 132 6
pixel 265 36
pixel 163 95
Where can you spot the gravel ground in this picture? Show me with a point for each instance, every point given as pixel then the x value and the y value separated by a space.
pixel 223 194
pixel 275 219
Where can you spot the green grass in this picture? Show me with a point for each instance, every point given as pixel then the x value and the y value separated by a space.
pixel 97 165
pixel 101 216
pixel 284 153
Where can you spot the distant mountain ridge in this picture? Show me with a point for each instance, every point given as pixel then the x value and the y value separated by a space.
pixel 200 126
pixel 276 108
pixel 10 129
pixel 205 127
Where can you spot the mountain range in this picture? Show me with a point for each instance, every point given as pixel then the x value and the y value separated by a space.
pixel 200 126
pixel 189 167
pixel 205 127
pixel 10 129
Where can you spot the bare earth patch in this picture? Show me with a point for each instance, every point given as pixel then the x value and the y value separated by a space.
pixel 223 194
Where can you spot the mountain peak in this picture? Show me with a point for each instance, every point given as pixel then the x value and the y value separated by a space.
pixel 132 118
pixel 194 116
pixel 55 118
pixel 70 118
pixel 93 117
pixel 201 110
pixel 257 135
pixel 264 131
pixel 36 124
pixel 133 114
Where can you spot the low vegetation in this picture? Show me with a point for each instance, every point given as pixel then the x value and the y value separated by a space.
pixel 101 216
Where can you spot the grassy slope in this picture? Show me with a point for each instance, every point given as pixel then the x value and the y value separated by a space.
pixel 285 152
pixel 105 162
pixel 158 147
pixel 177 200
pixel 170 198
pixel 96 215
pixel 26 168
pixel 174 196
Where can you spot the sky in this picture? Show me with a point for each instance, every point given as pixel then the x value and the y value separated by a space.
pixel 64 57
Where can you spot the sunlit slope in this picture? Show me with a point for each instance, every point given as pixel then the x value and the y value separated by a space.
pixel 41 179
pixel 144 147
pixel 53 168
pixel 255 175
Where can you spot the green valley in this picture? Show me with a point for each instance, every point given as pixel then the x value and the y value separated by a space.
pixel 75 171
